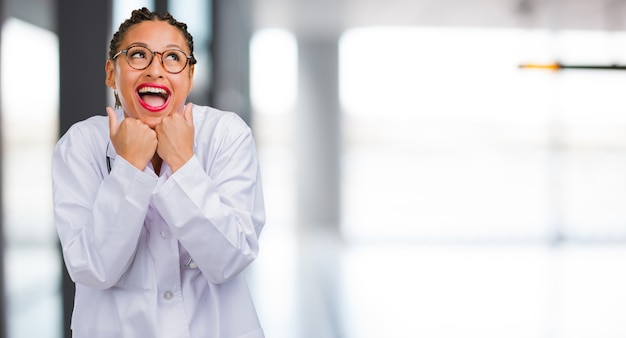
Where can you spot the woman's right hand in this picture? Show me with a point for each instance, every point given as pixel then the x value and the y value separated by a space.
pixel 132 139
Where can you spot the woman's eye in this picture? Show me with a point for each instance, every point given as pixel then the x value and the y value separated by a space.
pixel 172 56
pixel 137 54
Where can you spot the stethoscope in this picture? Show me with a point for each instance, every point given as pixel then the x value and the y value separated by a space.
pixel 108 158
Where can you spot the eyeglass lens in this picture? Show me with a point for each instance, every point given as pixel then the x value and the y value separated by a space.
pixel 172 60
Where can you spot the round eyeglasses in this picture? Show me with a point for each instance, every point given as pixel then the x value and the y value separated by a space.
pixel 140 57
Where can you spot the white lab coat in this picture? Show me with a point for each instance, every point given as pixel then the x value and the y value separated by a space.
pixel 128 235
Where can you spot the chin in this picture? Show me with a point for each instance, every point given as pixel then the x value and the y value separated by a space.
pixel 152 122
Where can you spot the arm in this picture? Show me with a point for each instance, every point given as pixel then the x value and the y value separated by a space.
pixel 216 209
pixel 98 220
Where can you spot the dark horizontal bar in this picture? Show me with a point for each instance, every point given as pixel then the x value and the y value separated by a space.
pixel 559 66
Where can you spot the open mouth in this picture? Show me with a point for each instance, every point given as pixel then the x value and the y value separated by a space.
pixel 153 98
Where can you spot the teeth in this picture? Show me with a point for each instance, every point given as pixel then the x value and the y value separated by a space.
pixel 152 90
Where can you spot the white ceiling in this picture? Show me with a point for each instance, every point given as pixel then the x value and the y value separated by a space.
pixel 333 16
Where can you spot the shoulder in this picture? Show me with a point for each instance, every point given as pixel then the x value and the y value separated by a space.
pixel 214 119
pixel 93 130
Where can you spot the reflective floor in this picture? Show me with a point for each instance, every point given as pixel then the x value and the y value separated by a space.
pixel 312 285
pixel 324 289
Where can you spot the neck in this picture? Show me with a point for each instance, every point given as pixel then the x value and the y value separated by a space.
pixel 156 164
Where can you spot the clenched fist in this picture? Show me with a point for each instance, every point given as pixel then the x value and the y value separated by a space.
pixel 132 139
pixel 175 136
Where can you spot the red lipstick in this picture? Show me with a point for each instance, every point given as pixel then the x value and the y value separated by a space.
pixel 153 97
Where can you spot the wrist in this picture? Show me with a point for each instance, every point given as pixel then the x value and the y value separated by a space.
pixel 179 162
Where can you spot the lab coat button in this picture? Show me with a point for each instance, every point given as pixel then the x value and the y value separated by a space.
pixel 167 295
pixel 166 234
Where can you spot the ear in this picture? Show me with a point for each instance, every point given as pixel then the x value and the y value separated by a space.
pixel 109 68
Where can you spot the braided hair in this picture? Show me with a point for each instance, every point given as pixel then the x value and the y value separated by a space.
pixel 144 14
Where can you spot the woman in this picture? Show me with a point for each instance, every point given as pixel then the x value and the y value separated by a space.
pixel 159 207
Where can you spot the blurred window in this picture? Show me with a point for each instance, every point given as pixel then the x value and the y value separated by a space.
pixel 30 108
pixel 447 139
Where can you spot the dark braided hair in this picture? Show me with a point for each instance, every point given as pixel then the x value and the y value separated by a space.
pixel 144 14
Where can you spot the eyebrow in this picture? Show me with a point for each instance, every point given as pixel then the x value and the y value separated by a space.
pixel 145 45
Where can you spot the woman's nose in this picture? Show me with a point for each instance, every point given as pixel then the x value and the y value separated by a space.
pixel 156 66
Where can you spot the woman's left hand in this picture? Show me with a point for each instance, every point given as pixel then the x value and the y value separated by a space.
pixel 175 137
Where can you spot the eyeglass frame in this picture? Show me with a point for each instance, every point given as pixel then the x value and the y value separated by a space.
pixel 190 58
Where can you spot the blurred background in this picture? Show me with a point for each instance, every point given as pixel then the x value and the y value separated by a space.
pixel 418 182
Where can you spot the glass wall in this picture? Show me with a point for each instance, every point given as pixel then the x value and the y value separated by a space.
pixel 456 142
pixel 30 104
